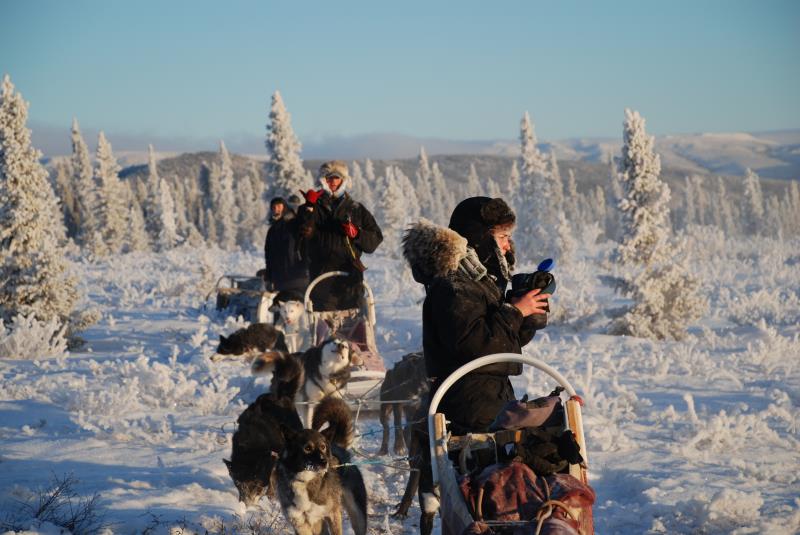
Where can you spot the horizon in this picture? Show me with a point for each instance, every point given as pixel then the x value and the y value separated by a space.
pixel 459 72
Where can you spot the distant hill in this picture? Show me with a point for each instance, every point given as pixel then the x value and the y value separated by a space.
pixel 588 174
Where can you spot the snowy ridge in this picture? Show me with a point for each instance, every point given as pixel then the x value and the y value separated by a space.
pixel 694 436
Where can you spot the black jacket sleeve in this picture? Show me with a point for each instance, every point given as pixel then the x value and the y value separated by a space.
pixel 369 234
pixel 467 327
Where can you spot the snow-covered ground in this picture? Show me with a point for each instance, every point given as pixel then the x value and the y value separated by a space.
pixel 696 436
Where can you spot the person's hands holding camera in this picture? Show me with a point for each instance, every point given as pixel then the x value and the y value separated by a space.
pixel 533 302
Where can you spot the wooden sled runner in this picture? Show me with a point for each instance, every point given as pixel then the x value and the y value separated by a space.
pixel 456 513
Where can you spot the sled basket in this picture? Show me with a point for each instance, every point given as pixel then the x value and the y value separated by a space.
pixel 241 295
pixel 357 326
pixel 448 454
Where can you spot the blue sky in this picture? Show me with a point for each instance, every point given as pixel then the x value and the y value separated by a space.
pixel 198 70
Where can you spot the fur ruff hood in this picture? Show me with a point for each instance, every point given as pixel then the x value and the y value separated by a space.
pixel 433 251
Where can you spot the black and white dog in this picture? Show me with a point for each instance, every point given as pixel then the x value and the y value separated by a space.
pixel 315 479
pixel 255 338
pixel 326 370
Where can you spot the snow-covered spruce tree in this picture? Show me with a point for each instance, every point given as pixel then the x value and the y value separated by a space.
pixel 33 275
pixel 446 198
pixel 555 186
pixel 150 206
pixel 85 189
pixel 62 180
pixel 689 217
pixel 531 204
pixel 393 211
pixel 753 204
pixel 722 213
pixel 112 209
pixel 493 189
pixel 473 184
pixel 167 235
pixel 222 199
pixel 285 172
pixel 361 191
pixel 247 206
pixel 137 238
pixel 430 205
pixel 571 201
pixel 512 186
pixel 655 272
pixel 645 197
pixel 409 196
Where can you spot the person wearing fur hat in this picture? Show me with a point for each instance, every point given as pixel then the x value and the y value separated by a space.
pixel 465 269
pixel 337 230
pixel 286 267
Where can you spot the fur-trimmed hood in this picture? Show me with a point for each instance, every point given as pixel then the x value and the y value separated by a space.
pixel 432 250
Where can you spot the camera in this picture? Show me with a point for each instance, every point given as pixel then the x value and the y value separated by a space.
pixel 522 283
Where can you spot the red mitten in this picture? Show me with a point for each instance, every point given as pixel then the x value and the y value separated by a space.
pixel 311 196
pixel 350 230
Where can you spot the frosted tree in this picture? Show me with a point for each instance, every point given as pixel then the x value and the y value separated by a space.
pixel 722 212
pixel 222 199
pixel 689 217
pixel 369 172
pixel 62 180
pixel 645 197
pixel 393 213
pixel 152 217
pixel 565 241
pixel 167 236
pixel 409 195
pixel 429 205
pixel 571 199
pixel 555 186
pixel 532 202
pixel 512 190
pixel 493 189
pixel 112 209
pixel 656 274
pixel 285 172
pixel 473 186
pixel 179 196
pixel 85 189
pixel 137 238
pixel 445 197
pixel 361 191
pixel 248 206
pixel 33 275
pixel 753 203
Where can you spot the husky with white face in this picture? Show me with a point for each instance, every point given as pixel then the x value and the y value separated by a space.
pixel 291 322
pixel 327 370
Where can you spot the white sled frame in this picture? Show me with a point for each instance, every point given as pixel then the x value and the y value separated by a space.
pixel 454 511
pixel 363 384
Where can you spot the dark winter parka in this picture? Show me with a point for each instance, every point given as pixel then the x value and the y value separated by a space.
pixel 464 317
pixel 287 269
pixel 328 250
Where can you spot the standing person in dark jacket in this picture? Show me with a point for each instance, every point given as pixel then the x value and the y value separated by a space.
pixel 337 230
pixel 465 269
pixel 287 270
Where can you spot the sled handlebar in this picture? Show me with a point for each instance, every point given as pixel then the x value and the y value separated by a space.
pixel 471 366
pixel 309 305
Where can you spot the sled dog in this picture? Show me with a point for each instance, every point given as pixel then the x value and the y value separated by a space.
pixel 261 428
pixel 257 337
pixel 312 485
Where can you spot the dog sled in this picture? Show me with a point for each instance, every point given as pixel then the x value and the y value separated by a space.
pixel 569 508
pixel 242 295
pixel 357 326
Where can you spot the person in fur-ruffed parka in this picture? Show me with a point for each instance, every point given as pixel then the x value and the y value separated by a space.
pixel 465 269
pixel 337 230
